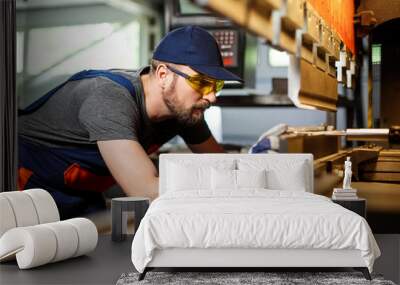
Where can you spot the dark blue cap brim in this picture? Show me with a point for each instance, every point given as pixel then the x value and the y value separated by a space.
pixel 216 72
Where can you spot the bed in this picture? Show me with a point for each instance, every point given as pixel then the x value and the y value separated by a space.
pixel 247 210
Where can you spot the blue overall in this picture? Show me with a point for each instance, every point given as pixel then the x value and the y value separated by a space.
pixel 75 177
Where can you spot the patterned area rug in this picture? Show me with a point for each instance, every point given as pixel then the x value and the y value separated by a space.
pixel 231 278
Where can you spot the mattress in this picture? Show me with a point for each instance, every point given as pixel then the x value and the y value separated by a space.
pixel 252 219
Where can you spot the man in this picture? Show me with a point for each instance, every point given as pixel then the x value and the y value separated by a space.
pixel 107 122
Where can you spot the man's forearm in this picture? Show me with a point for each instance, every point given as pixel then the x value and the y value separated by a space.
pixel 131 167
pixel 148 189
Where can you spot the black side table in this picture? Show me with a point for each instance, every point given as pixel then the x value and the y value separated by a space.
pixel 358 206
pixel 119 209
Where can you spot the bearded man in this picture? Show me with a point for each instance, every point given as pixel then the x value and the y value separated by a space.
pixel 98 128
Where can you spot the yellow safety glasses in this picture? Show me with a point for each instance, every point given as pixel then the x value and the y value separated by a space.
pixel 201 83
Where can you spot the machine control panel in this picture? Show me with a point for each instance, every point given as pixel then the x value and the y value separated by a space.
pixel 227 40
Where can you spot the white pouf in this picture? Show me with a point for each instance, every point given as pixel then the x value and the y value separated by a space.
pixel 7 218
pixel 40 244
pixel 31 231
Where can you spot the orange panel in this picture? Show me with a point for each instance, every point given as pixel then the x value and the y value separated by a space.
pixel 338 14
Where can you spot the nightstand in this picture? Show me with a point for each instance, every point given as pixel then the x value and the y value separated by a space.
pixel 358 206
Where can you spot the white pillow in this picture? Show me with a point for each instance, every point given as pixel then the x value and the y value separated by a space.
pixel 293 181
pixel 223 179
pixel 186 175
pixel 226 179
pixel 281 174
pixel 251 178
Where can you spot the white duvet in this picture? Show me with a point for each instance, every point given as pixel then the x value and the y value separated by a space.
pixel 250 219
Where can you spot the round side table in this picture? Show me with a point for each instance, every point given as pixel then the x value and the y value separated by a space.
pixel 119 209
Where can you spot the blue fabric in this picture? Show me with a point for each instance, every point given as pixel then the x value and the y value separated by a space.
pixel 48 166
pixel 195 47
pixel 262 146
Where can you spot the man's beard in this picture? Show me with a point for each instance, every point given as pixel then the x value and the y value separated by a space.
pixel 187 117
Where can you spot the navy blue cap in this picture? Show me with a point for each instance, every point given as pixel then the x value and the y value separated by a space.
pixel 196 48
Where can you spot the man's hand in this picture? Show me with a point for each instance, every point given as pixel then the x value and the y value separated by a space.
pixel 131 167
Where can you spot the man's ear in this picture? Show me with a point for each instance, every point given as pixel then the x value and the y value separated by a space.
pixel 161 74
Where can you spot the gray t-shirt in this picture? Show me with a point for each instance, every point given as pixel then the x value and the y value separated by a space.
pixel 89 110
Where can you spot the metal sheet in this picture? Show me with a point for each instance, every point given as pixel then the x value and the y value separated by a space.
pixel 310 87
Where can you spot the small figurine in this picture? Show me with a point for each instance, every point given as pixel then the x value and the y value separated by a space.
pixel 347 174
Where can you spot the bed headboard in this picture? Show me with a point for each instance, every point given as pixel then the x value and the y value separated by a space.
pixel 204 159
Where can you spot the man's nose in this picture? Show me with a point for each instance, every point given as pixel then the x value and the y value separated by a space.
pixel 211 97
